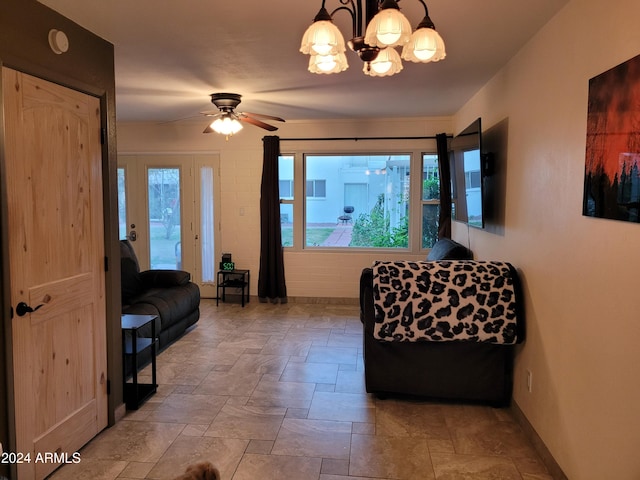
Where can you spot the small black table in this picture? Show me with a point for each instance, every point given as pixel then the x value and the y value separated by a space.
pixel 135 394
pixel 239 279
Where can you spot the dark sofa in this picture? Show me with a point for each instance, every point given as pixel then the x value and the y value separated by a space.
pixel 169 294
pixel 453 370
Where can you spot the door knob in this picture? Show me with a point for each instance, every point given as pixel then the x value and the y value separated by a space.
pixel 132 235
pixel 22 309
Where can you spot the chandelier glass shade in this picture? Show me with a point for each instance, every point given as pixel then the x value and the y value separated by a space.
pixel 332 63
pixel 322 38
pixel 389 28
pixel 385 28
pixel 387 63
pixel 425 45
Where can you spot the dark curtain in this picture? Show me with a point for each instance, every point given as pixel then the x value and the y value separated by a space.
pixel 444 169
pixel 271 283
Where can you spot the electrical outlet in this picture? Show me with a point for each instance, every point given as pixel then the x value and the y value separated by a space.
pixel 529 381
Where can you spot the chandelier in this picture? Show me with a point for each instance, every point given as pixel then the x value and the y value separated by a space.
pixel 386 29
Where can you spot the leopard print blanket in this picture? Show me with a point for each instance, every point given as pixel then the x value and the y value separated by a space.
pixel 446 300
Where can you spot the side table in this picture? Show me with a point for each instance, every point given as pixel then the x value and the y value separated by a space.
pixel 233 279
pixel 132 344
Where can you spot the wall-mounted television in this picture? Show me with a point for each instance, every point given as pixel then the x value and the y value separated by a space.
pixel 469 167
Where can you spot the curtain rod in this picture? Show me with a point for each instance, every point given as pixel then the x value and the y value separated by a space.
pixel 356 139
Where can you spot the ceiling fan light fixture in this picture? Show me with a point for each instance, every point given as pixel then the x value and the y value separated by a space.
pixel 328 63
pixel 389 27
pixel 226 125
pixel 387 63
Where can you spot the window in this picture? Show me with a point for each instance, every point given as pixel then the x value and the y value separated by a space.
pixel 430 200
pixel 122 204
pixel 365 201
pixel 359 201
pixel 286 189
pixel 287 197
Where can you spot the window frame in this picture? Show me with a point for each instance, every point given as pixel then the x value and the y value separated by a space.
pixel 416 153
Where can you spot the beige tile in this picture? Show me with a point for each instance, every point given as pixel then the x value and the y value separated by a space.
pixel 133 441
pixel 492 438
pixel 90 469
pixel 313 438
pixel 194 430
pixel 227 383
pixel 341 339
pixel 301 334
pixel 282 394
pixel 341 355
pixel 377 456
pixel 224 453
pixel 247 422
pixel 347 407
pixel 181 373
pixel 350 381
pixel 473 467
pixel 340 477
pixel 258 363
pixel 403 418
pixel 310 373
pixel 325 321
pixel 335 466
pixel 262 447
pixel 136 470
pixel 287 346
pixel 531 466
pixel 253 467
pixel 241 340
pixel 363 428
pixel 193 409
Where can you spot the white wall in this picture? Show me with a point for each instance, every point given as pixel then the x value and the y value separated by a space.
pixel 317 273
pixel 580 273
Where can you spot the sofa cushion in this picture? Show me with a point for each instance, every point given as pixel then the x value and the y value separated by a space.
pixel 130 279
pixel 447 249
pixel 127 251
pixel 164 278
pixel 172 303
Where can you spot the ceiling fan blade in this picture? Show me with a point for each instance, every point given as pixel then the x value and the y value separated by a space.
pixel 262 115
pixel 258 123
pixel 208 129
pixel 210 113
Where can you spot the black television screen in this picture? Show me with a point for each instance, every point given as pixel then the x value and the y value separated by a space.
pixel 467 176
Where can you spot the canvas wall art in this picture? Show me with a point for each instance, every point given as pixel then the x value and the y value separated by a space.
pixel 612 161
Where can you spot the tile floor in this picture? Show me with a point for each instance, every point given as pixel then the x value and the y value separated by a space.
pixel 277 392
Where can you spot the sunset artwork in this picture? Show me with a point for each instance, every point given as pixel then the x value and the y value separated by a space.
pixel 612 161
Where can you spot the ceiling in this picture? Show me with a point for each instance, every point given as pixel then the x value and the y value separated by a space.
pixel 171 54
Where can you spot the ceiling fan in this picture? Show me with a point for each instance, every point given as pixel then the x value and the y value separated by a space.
pixel 227 120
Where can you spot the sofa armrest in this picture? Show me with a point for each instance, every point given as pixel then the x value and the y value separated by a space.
pixel 366 295
pixel 164 278
pixel 447 249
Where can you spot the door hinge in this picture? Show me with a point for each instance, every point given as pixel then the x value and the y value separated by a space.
pixel 106 264
pixel 108 387
pixel 103 135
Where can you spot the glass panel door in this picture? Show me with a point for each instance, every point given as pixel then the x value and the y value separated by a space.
pixel 207 244
pixel 122 204
pixel 168 208
pixel 165 242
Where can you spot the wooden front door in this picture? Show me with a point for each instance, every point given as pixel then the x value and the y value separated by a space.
pixel 56 261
